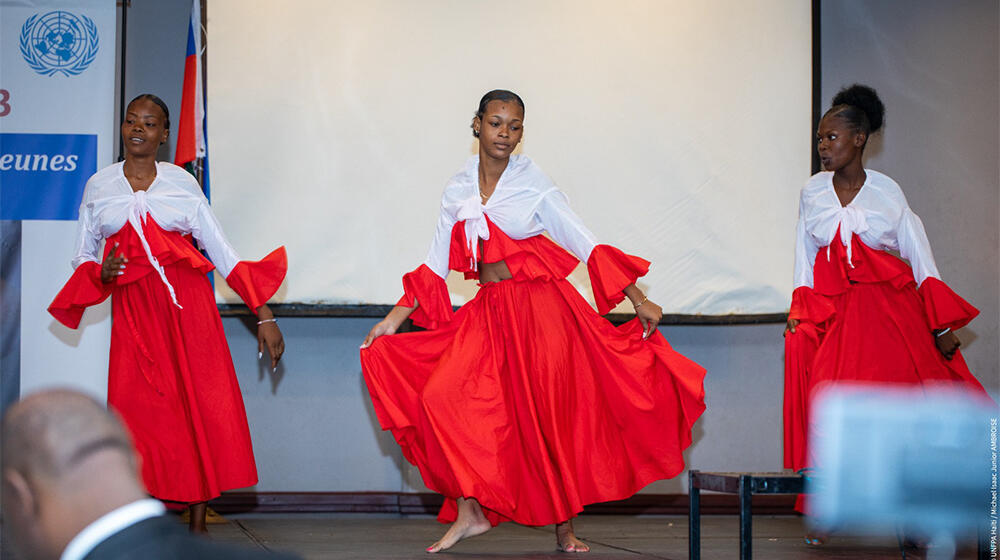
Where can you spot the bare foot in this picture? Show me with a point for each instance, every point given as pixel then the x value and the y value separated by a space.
pixel 566 540
pixel 470 522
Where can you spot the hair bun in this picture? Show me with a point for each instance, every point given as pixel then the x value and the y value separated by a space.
pixel 866 99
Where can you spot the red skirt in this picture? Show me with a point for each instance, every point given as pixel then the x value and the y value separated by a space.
pixel 533 404
pixel 879 334
pixel 172 380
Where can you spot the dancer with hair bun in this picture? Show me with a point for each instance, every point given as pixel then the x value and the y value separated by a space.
pixel 525 404
pixel 858 312
pixel 170 375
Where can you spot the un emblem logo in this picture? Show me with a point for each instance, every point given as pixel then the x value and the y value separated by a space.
pixel 59 41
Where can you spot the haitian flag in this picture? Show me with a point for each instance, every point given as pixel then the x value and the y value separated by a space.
pixel 191 144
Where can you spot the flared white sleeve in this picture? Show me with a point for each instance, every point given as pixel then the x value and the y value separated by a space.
pixel 944 308
pixel 84 287
pixel 439 254
pixel 424 287
pixel 206 229
pixel 610 269
pixel 254 281
pixel 564 225
pixel 88 238
pixel 915 247
pixel 805 252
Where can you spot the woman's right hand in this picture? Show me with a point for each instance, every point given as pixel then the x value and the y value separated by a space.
pixel 389 325
pixel 790 326
pixel 385 326
pixel 113 265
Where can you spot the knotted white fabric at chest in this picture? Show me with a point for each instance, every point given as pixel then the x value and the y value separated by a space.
pixel 852 220
pixel 137 211
pixel 471 212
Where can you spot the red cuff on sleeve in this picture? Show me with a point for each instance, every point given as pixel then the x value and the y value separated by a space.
pixel 945 308
pixel 807 305
pixel 610 272
pixel 82 290
pixel 429 293
pixel 256 281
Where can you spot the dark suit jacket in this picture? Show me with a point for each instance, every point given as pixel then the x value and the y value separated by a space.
pixel 163 538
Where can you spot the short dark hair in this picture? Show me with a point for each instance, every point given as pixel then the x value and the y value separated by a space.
pixel 159 103
pixel 496 95
pixel 860 106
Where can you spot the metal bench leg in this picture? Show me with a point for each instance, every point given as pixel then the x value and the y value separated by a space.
pixel 746 517
pixel 694 518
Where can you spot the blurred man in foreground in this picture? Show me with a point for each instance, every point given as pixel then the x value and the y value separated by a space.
pixel 72 491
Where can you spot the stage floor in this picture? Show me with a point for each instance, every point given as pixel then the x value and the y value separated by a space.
pixel 611 537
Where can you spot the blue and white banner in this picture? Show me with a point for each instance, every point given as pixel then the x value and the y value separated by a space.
pixel 43 174
pixel 57 126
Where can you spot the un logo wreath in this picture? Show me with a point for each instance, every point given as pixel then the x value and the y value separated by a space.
pixel 59 41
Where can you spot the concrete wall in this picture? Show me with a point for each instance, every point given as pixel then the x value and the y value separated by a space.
pixel 935 65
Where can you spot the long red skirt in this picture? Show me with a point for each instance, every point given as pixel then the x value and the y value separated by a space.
pixel 533 404
pixel 172 380
pixel 880 334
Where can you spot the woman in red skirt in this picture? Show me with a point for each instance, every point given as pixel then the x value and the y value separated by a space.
pixel 525 404
pixel 858 312
pixel 170 377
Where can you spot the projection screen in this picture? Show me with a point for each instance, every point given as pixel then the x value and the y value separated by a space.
pixel 679 129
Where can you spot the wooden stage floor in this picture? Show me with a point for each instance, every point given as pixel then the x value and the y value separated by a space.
pixel 611 537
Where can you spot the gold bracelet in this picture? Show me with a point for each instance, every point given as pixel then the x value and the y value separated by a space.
pixel 636 305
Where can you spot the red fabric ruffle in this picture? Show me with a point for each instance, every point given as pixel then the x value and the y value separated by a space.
pixel 611 271
pixel 256 281
pixel 82 290
pixel 85 288
pixel 945 308
pixel 169 247
pixel 833 274
pixel 425 289
pixel 807 305
pixel 533 258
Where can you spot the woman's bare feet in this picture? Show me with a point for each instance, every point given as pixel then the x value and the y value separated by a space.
pixel 469 523
pixel 566 540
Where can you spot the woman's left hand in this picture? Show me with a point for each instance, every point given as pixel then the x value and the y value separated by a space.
pixel 269 336
pixel 947 344
pixel 649 315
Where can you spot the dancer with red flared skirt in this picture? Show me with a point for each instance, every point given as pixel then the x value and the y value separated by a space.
pixel 170 376
pixel 525 404
pixel 858 312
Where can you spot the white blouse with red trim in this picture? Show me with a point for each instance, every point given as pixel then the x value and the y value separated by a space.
pixel 525 203
pixel 879 215
pixel 174 200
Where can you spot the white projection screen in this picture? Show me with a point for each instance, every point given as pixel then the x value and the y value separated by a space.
pixel 679 129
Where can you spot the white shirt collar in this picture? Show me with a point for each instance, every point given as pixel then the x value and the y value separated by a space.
pixel 109 524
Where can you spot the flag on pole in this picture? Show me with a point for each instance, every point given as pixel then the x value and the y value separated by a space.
pixel 191 143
